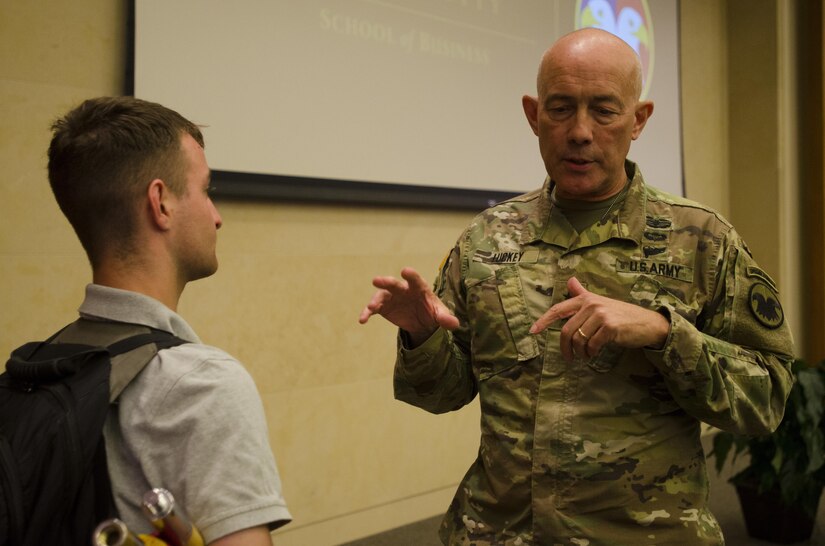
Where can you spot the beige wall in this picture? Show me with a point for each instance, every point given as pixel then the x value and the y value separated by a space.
pixel 739 85
pixel 753 125
pixel 704 102
pixel 292 279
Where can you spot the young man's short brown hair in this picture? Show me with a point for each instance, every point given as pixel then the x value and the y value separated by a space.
pixel 103 155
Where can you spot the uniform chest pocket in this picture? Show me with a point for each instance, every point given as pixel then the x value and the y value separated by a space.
pixel 649 293
pixel 554 364
pixel 500 323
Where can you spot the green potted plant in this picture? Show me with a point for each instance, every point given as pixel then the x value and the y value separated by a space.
pixel 779 489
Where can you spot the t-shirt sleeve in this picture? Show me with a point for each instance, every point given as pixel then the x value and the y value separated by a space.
pixel 204 437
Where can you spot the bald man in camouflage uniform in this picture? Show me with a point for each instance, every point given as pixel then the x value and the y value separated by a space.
pixel 599 321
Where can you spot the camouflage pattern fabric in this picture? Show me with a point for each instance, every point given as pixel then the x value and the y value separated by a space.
pixel 604 451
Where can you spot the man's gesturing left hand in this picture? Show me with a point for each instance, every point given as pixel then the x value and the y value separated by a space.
pixel 594 321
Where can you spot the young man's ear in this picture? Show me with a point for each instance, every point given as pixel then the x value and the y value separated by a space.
pixel 159 204
pixel 531 111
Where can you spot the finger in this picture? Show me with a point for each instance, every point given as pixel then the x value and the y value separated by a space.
pixel 541 324
pixel 389 283
pixel 599 335
pixel 575 338
pixel 544 321
pixel 568 352
pixel 575 288
pixel 586 337
pixel 561 310
pixel 415 281
pixel 364 316
pixel 445 318
pixel 374 306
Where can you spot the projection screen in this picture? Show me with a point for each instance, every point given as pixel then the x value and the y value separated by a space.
pixel 412 102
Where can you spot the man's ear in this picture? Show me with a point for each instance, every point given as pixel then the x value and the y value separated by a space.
pixel 643 112
pixel 158 204
pixel 531 110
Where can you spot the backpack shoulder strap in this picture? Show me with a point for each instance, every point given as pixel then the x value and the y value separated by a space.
pixel 130 355
pixel 130 346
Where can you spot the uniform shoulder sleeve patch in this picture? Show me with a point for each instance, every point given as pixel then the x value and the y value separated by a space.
pixel 759 274
pixel 438 285
pixel 765 306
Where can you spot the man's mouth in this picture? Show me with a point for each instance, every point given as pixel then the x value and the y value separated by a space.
pixel 578 163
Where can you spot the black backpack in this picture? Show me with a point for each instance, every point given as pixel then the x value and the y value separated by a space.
pixel 54 398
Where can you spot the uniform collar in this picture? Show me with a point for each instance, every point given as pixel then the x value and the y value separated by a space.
pixel 627 221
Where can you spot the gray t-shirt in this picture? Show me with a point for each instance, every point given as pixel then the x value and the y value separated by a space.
pixel 191 422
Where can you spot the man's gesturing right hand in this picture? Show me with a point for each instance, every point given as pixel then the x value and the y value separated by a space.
pixel 410 304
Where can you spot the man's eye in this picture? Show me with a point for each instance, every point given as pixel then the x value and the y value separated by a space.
pixel 605 115
pixel 557 111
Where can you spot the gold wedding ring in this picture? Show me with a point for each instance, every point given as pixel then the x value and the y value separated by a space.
pixel 585 336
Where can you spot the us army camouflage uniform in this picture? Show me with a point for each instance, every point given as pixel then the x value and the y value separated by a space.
pixel 603 451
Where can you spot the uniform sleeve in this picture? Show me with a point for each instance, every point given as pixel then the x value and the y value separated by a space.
pixel 732 369
pixel 437 375
pixel 206 439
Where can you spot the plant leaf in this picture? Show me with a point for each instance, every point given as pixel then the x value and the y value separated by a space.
pixel 813 388
pixel 777 460
pixel 722 442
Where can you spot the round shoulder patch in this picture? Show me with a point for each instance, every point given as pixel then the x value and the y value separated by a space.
pixel 765 306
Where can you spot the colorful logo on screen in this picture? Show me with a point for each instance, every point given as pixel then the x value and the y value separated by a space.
pixel 630 20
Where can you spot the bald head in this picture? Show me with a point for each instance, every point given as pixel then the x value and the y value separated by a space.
pixel 595 50
pixel 587 112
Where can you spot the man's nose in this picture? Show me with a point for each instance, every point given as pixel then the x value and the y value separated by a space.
pixel 581 131
pixel 217 217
